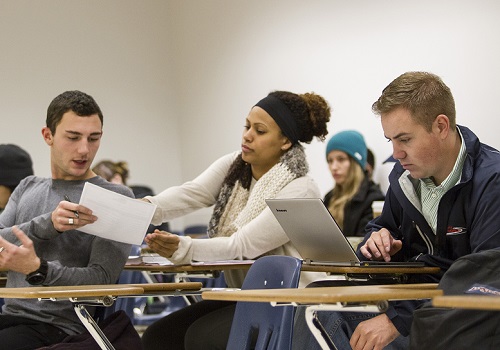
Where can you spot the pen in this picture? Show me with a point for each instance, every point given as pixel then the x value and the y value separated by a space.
pixel 74 211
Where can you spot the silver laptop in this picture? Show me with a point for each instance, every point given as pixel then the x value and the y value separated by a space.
pixel 316 235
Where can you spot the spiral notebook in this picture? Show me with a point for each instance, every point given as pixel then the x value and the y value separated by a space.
pixel 316 235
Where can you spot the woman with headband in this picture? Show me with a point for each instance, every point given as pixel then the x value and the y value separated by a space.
pixel 270 164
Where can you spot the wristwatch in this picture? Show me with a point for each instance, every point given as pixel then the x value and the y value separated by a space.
pixel 38 277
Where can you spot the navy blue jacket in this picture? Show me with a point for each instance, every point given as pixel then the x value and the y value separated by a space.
pixel 468 220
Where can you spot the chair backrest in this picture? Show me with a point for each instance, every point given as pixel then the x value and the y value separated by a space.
pixel 262 326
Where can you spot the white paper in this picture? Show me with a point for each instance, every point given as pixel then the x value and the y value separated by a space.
pixel 156 260
pixel 119 218
pixel 150 259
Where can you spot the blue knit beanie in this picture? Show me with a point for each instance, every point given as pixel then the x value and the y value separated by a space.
pixel 350 142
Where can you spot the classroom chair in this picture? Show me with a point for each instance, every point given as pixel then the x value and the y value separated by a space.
pixel 261 326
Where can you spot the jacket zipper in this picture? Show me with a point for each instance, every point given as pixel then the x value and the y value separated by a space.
pixel 428 243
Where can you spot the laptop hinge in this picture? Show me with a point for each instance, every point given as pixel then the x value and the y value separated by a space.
pixel 354 263
pixel 307 261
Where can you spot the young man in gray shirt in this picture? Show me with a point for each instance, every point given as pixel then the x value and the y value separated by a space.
pixel 39 239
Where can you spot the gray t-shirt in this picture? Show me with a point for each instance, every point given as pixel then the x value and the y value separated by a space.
pixel 74 257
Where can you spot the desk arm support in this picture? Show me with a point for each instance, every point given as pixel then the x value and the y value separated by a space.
pixel 92 327
pixel 105 301
pixel 87 320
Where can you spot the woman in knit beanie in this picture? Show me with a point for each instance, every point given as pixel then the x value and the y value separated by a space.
pixel 350 201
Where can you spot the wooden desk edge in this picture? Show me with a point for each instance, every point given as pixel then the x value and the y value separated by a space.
pixel 168 286
pixel 323 295
pixel 305 267
pixel 411 286
pixel 369 270
pixel 187 268
pixel 70 291
pixel 469 301
pixel 97 290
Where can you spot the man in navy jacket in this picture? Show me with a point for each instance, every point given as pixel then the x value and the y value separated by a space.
pixel 443 202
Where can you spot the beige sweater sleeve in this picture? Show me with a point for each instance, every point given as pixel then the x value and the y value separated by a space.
pixel 262 235
pixel 199 193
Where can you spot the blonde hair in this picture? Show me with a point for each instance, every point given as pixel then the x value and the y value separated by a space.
pixel 342 194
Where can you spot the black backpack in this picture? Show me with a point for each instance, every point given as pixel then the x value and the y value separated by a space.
pixel 444 328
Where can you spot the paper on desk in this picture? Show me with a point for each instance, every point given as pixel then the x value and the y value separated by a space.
pixel 119 218
pixel 156 260
pixel 152 259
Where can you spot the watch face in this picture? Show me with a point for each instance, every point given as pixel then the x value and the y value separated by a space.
pixel 35 279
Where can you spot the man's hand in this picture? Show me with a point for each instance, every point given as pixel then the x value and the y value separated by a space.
pixel 163 243
pixel 21 258
pixel 71 216
pixel 375 334
pixel 381 246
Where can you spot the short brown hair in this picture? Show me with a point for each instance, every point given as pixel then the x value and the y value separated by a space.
pixel 79 102
pixel 423 94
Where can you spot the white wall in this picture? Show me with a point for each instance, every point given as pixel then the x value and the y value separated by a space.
pixel 233 52
pixel 176 78
pixel 118 52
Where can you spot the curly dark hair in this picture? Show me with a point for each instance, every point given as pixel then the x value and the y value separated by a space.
pixel 311 113
pixel 79 102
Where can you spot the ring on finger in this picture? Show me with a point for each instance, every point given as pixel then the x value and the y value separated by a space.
pixel 71 221
pixel 2 249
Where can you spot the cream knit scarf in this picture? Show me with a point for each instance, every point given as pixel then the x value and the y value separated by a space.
pixel 236 205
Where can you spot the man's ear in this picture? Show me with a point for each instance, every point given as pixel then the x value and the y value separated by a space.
pixel 442 125
pixel 47 136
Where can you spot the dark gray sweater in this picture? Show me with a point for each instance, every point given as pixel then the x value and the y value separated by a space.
pixel 74 257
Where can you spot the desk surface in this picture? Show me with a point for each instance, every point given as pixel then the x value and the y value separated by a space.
pixel 97 290
pixel 305 267
pixel 470 301
pixel 328 295
pixel 186 268
pixel 168 287
pixel 369 270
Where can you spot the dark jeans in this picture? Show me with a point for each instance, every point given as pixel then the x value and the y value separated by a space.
pixel 203 325
pixel 339 325
pixel 19 333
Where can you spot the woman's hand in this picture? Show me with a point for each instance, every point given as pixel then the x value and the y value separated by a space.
pixel 163 243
